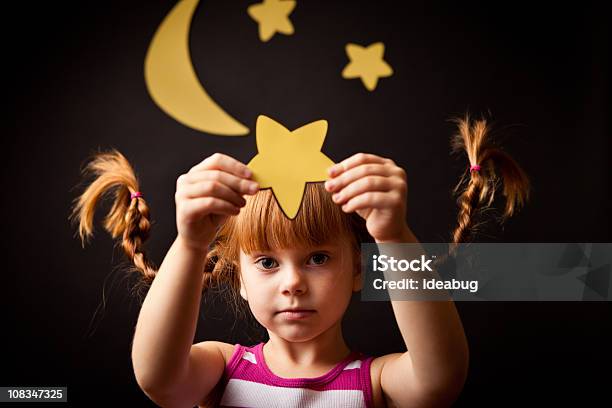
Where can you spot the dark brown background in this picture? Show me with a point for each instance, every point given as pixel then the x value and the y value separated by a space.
pixel 539 72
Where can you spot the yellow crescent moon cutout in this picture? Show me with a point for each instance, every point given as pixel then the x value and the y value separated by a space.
pixel 172 81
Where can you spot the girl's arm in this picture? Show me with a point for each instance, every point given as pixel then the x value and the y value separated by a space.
pixel 437 358
pixel 433 370
pixel 167 321
pixel 167 367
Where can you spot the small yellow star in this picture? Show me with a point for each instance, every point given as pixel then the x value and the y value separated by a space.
pixel 287 160
pixel 272 16
pixel 367 63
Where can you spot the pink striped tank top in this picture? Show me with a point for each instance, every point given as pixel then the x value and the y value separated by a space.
pixel 250 383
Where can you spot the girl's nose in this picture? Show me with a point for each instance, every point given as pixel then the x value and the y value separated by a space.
pixel 293 280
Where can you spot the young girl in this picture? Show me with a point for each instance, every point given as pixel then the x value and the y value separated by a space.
pixel 297 277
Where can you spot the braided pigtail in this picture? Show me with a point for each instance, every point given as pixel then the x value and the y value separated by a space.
pixel 486 162
pixel 128 217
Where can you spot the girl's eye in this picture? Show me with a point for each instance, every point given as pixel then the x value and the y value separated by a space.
pixel 265 263
pixel 319 258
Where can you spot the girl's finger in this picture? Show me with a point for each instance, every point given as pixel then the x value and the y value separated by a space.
pixel 374 199
pixel 220 161
pixel 238 184
pixel 355 160
pixel 363 185
pixel 196 207
pixel 355 173
pixel 211 188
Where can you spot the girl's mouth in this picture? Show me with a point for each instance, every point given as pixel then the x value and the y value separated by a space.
pixel 296 314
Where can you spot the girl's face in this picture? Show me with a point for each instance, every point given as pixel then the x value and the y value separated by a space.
pixel 321 278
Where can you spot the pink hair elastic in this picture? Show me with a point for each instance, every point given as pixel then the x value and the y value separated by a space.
pixel 136 194
pixel 475 167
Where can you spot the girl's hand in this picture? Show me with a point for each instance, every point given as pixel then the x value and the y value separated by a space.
pixel 209 193
pixel 376 188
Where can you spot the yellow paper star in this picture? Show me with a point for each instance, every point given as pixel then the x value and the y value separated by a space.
pixel 367 63
pixel 272 16
pixel 287 160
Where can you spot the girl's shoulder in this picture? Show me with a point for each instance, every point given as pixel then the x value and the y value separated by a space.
pixel 376 368
pixel 226 349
